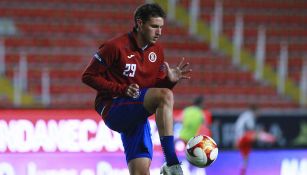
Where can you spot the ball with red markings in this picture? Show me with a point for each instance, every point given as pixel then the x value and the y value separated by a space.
pixel 201 151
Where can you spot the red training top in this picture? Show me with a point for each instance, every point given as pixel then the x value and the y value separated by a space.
pixel 121 62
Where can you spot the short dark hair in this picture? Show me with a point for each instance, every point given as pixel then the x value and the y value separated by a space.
pixel 198 101
pixel 253 107
pixel 148 10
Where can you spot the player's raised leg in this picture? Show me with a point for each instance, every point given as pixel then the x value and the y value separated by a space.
pixel 160 101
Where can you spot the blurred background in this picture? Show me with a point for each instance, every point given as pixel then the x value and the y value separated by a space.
pixel 242 52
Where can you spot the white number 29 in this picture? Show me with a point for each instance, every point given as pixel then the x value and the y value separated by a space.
pixel 130 70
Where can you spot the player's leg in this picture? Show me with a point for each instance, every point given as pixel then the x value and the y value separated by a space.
pixel 245 146
pixel 139 166
pixel 265 137
pixel 138 148
pixel 161 101
pixel 129 117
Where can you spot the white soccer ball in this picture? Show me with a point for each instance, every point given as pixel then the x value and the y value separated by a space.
pixel 201 151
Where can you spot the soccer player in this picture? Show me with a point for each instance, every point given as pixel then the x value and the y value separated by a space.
pixel 133 82
pixel 194 121
pixel 246 134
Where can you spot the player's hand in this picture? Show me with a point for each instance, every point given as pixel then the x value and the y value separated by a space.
pixel 133 91
pixel 181 71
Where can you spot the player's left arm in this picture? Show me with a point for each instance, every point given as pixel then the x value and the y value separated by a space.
pixel 168 77
pixel 173 75
pixel 162 79
pixel 180 72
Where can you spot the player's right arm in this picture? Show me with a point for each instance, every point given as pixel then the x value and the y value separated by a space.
pixel 93 74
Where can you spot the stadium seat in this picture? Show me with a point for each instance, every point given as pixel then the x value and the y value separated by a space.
pixel 63 35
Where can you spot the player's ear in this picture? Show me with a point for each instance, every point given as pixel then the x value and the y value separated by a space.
pixel 139 23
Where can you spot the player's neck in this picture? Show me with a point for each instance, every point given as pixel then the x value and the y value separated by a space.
pixel 141 41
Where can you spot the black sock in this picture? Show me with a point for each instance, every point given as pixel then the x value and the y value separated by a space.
pixel 168 147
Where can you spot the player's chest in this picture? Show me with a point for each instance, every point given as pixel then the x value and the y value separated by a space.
pixel 136 63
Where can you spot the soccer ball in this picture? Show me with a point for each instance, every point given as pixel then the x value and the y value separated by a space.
pixel 201 151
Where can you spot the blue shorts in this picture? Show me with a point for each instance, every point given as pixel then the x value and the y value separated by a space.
pixel 129 117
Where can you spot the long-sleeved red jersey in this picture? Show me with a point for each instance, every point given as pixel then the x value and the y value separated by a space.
pixel 121 62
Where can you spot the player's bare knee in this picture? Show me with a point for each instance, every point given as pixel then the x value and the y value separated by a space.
pixel 166 96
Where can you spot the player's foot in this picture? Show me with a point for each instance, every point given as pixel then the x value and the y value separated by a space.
pixel 171 170
pixel 266 137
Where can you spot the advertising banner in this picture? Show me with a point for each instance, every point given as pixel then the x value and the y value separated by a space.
pixel 77 142
pixel 290 131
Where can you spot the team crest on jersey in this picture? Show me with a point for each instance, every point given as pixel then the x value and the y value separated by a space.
pixel 152 57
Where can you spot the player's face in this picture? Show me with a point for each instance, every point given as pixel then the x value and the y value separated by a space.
pixel 151 30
